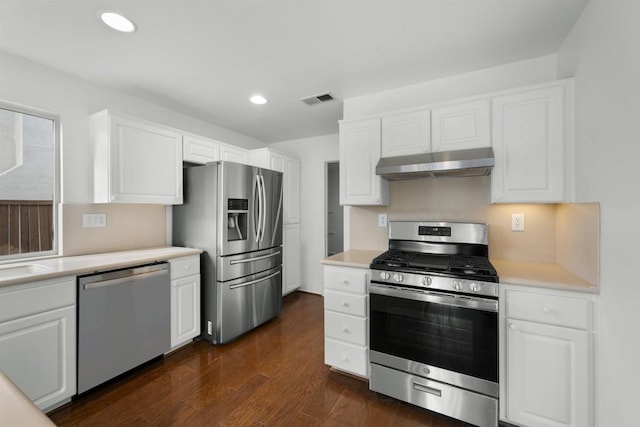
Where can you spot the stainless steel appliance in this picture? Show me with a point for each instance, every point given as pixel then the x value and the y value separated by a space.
pixel 434 320
pixel 123 321
pixel 234 213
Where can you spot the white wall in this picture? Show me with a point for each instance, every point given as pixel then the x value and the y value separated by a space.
pixel 313 154
pixel 73 100
pixel 602 51
pixel 507 76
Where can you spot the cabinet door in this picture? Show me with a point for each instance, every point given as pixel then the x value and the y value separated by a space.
pixel 359 155
pixel 461 126
pixel 528 143
pixel 277 163
pixel 185 309
pixel 38 353
pixel 233 154
pixel 549 377
pixel 291 191
pixel 200 150
pixel 291 261
pixel 406 133
pixel 146 163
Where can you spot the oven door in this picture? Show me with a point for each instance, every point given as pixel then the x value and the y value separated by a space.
pixel 449 338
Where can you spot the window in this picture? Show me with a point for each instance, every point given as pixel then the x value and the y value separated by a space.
pixel 28 183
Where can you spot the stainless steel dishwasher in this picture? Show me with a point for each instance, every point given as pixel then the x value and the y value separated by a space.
pixel 123 321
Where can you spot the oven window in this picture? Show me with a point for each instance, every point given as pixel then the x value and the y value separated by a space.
pixel 458 339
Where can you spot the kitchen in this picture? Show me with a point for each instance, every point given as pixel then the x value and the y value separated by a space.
pixel 597 53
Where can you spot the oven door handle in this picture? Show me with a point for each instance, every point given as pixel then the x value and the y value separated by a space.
pixel 437 298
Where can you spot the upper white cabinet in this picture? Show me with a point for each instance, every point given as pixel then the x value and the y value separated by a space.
pixel 231 153
pixel 360 151
pixel 199 150
pixel 135 161
pixel 461 126
pixel 38 339
pixel 531 143
pixel 547 377
pixel 406 133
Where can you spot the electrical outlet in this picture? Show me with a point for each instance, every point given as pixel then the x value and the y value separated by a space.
pixel 382 220
pixel 517 222
pixel 94 220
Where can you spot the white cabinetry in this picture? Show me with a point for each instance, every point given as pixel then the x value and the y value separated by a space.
pixel 199 150
pixel 135 161
pixel 461 126
pixel 291 259
pixel 547 343
pixel 359 154
pixel 185 299
pixel 406 133
pixel 38 339
pixel 231 153
pixel 345 319
pixel 532 142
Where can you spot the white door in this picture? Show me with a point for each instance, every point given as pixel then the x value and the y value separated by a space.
pixel 461 126
pixel 549 379
pixel 291 261
pixel 528 143
pixel 359 155
pixel 185 309
pixel 38 354
pixel 406 133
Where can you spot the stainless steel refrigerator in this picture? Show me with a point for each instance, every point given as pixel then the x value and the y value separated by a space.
pixel 234 213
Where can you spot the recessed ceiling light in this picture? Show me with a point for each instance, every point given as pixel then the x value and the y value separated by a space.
pixel 117 22
pixel 258 99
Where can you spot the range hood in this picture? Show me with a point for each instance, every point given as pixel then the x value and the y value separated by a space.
pixel 474 162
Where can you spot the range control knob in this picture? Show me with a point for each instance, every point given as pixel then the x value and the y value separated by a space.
pixel 457 285
pixel 398 277
pixel 426 280
pixel 475 286
pixel 384 275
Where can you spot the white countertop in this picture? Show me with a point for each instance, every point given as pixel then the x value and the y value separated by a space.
pixel 48 268
pixel 352 258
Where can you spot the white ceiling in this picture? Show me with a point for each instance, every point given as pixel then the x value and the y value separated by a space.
pixel 206 57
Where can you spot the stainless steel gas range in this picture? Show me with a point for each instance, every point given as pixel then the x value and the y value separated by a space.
pixel 434 320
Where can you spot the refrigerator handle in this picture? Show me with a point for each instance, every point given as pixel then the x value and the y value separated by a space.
pixel 264 208
pixel 261 212
pixel 256 200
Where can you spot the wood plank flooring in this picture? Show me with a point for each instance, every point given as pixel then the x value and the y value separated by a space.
pixel 274 375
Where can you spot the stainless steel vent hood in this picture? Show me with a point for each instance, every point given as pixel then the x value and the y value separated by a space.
pixel 475 162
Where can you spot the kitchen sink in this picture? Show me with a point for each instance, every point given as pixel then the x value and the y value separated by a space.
pixel 14 271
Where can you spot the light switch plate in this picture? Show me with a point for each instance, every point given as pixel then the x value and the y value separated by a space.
pixel 382 220
pixel 94 220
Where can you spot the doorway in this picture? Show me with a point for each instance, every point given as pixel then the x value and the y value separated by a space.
pixel 334 213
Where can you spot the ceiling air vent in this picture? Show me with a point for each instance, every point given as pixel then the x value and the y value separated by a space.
pixel 317 99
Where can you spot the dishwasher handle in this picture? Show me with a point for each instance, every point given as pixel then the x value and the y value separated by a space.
pixel 121 280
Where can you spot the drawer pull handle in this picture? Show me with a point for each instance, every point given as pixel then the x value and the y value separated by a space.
pixel 512 326
pixel 345 282
pixel 187 267
pixel 425 389
pixel 344 303
pixel 547 310
pixel 345 330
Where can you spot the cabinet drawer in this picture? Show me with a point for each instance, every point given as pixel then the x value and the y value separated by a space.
pixel 346 357
pixel 550 309
pixel 345 327
pixel 353 304
pixel 31 298
pixel 185 266
pixel 346 279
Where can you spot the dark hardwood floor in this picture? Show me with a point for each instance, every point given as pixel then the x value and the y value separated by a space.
pixel 275 375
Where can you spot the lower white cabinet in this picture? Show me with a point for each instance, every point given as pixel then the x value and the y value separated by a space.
pixel 291 259
pixel 38 339
pixel 346 323
pixel 547 378
pixel 185 300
